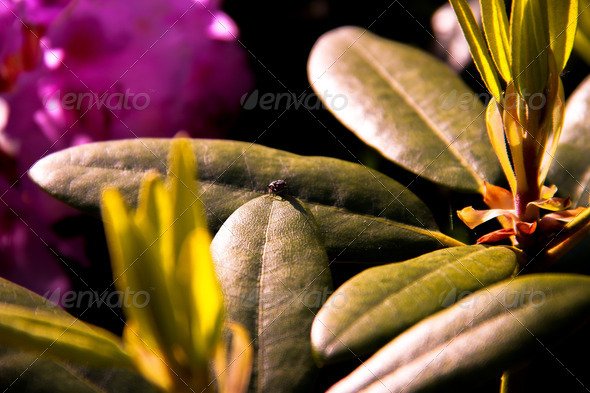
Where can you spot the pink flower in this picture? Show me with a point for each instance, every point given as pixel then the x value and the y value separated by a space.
pixel 121 69
pixel 102 70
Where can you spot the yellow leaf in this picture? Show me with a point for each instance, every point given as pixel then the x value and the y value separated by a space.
pixel 582 39
pixel 148 360
pixel 563 20
pixel 233 374
pixel 496 29
pixel 157 266
pixel 495 127
pixel 182 175
pixel 478 48
pixel 529 44
pixel 206 299
pixel 513 127
pixel 154 219
pixel 129 253
pixel 552 125
pixel 473 218
pixel 123 247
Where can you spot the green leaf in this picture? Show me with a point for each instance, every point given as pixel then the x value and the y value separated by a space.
pixel 35 370
pixel 274 272
pixel 361 212
pixel 59 336
pixel 570 170
pixel 563 21
pixel 408 105
pixel 530 46
pixel 496 28
pixel 478 338
pixel 477 46
pixel 378 304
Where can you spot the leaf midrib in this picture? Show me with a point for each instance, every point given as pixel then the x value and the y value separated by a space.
pixel 420 279
pixel 260 330
pixel 384 74
pixel 430 232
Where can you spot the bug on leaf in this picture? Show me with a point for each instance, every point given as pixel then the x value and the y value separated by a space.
pixel 277 187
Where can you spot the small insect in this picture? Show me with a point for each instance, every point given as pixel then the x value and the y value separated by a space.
pixel 277 187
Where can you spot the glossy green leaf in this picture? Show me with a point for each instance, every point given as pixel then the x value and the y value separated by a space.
pixel 563 21
pixel 361 213
pixel 478 48
pixel 530 46
pixel 274 273
pixel 378 304
pixel 570 170
pixel 408 105
pixel 28 366
pixel 477 338
pixel 497 29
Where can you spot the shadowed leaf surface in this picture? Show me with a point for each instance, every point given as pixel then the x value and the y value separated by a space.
pixel 570 170
pixel 34 371
pixel 477 338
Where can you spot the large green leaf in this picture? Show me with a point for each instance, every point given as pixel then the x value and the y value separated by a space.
pixel 477 338
pixel 408 105
pixel 361 213
pixel 274 272
pixel 375 306
pixel 28 362
pixel 570 170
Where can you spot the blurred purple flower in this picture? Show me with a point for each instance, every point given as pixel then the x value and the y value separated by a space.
pixel 450 41
pixel 99 70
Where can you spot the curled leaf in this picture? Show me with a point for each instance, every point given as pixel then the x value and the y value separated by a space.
pixel 497 197
pixel 472 218
pixel 552 204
